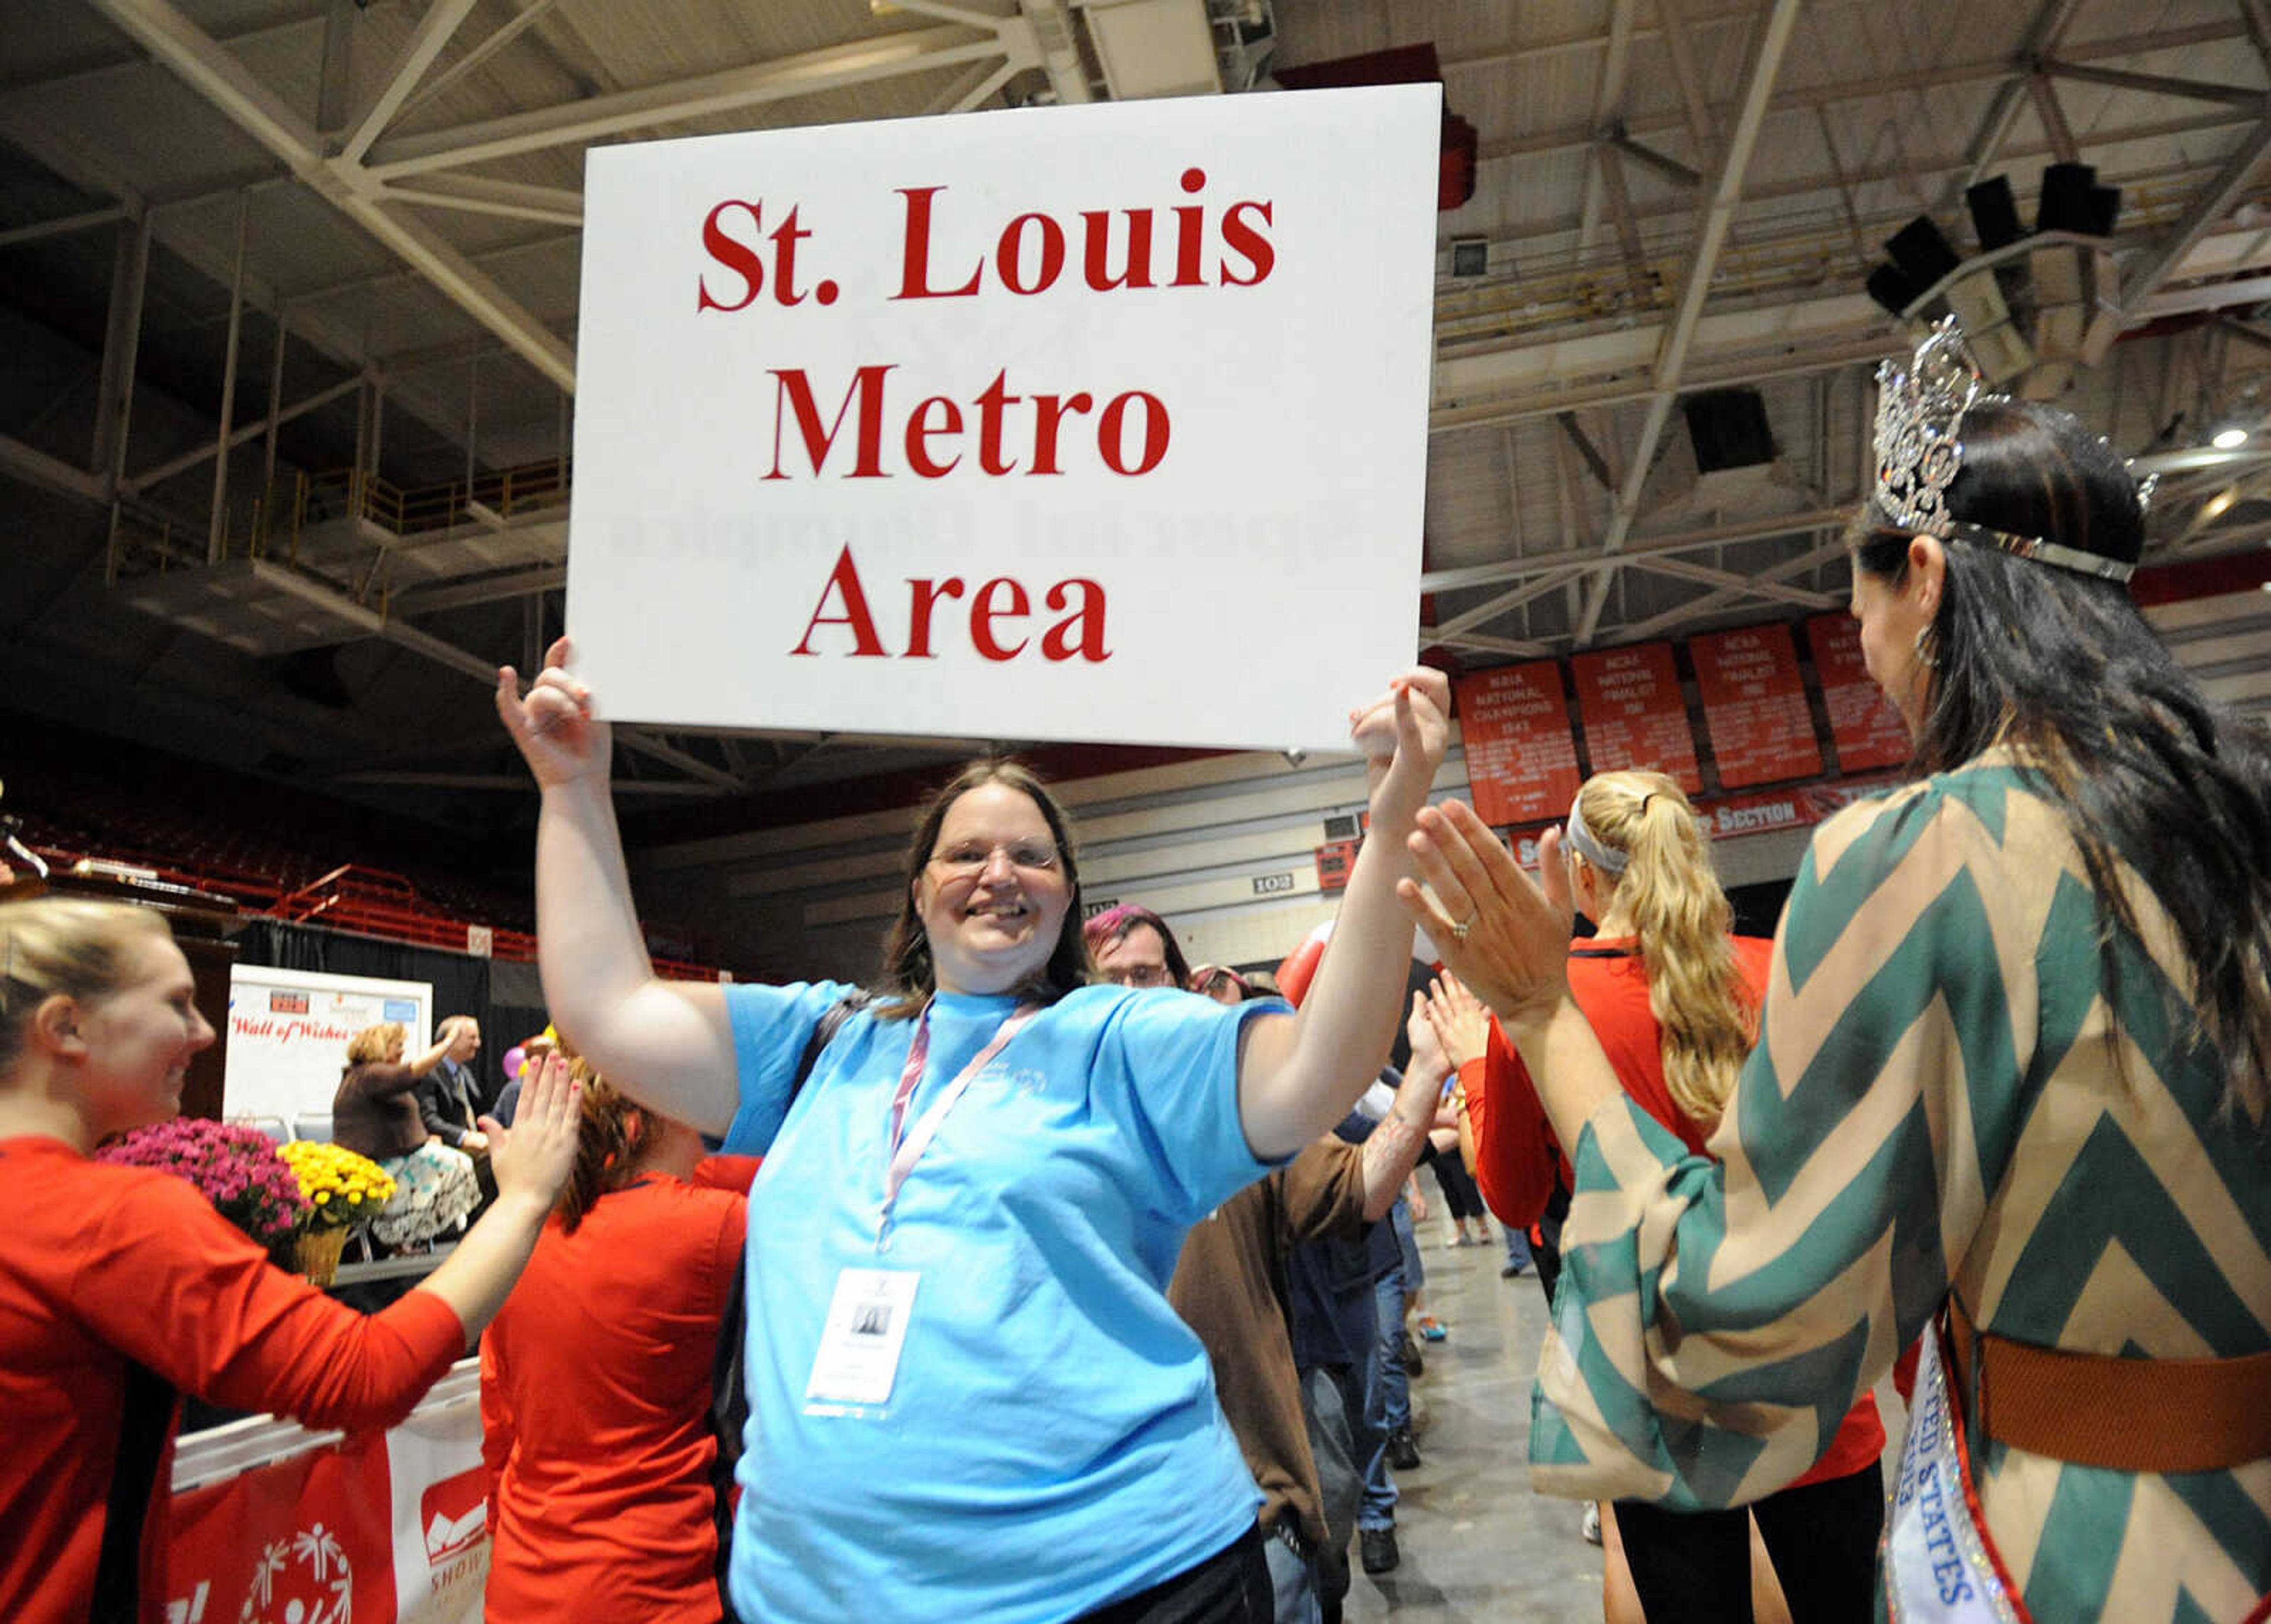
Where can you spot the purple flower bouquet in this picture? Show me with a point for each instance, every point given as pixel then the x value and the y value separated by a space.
pixel 236 1168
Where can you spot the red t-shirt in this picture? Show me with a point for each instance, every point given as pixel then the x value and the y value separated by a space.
pixel 1516 1154
pixel 595 1412
pixel 101 1265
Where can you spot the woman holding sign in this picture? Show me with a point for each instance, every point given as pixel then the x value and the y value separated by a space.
pixel 968 1395
pixel 2009 1092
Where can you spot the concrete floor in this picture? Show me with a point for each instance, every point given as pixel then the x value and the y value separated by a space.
pixel 1477 1544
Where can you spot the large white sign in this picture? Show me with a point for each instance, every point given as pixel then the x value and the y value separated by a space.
pixel 1102 422
pixel 288 1032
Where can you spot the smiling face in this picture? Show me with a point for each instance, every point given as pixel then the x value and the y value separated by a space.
pixel 465 1041
pixel 139 1039
pixel 993 896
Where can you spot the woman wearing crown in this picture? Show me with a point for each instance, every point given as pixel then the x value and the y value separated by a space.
pixel 2008 1098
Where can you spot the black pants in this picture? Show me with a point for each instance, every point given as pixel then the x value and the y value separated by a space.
pixel 1459 1192
pixel 1822 1539
pixel 1231 1587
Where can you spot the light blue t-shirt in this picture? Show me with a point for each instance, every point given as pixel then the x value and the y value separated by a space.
pixel 1052 1441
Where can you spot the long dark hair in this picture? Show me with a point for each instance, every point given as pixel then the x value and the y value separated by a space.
pixel 2061 667
pixel 909 976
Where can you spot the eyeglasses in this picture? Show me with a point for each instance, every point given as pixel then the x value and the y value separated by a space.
pixel 968 860
pixel 1140 975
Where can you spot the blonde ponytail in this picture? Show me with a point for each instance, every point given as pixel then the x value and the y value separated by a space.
pixel 1708 1017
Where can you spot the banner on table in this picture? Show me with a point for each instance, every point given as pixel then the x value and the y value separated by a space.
pixel 301 1540
pixel 270 1524
pixel 1027 425
pixel 288 1032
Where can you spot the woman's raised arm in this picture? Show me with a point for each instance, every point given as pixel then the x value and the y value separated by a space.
pixel 1297 1077
pixel 670 1044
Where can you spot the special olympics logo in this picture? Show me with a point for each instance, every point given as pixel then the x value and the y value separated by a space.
pixel 305 1579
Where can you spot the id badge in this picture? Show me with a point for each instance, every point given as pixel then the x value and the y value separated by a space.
pixel 866 1329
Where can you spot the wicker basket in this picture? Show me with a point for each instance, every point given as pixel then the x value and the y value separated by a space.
pixel 317 1253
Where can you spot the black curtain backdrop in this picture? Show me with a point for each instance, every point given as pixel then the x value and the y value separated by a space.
pixel 504 998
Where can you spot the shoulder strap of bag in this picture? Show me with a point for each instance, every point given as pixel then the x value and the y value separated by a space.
pixel 831 1022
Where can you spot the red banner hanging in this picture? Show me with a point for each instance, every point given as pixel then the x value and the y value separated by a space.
pixel 1522 758
pixel 1863 723
pixel 1634 715
pixel 1754 705
pixel 309 1539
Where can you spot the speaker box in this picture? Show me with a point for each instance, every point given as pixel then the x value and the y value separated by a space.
pixel 1921 252
pixel 1892 290
pixel 1994 213
pixel 1728 428
pixel 2067 205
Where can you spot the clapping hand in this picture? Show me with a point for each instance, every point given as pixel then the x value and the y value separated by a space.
pixel 1458 1019
pixel 1499 931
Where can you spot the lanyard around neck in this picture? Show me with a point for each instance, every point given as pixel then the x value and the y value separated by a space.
pixel 904 1146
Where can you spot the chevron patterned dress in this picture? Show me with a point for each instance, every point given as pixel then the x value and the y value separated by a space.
pixel 1948 1090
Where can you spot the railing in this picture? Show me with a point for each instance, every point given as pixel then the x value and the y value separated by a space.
pixel 368 902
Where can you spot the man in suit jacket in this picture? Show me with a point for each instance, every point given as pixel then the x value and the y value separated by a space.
pixel 450 1096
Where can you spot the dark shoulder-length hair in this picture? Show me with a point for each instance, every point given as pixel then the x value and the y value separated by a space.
pixel 909 976
pixel 2061 667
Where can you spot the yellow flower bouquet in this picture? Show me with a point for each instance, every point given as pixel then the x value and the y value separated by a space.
pixel 342 1189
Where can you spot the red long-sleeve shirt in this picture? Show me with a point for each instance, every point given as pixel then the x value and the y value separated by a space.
pixel 1516 1154
pixel 101 1265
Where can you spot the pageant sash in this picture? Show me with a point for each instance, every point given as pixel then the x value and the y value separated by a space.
pixel 1940 1565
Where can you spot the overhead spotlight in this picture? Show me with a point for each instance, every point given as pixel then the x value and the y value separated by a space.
pixel 2228 439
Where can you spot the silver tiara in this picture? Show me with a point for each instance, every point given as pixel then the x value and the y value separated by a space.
pixel 1921 403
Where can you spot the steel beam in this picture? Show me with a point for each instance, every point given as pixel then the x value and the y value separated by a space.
pixel 2044 95
pixel 160 27
pixel 2215 199
pixel 1608 100
pixel 1656 625
pixel 434 31
pixel 2050 22
pixel 1571 137
pixel 1671 358
pixel 504 35
pixel 1751 585
pixel 217 535
pixel 1580 557
pixel 121 343
pixel 160 473
pixel 64 226
pixel 2151 84
pixel 568 213
pixel 859 62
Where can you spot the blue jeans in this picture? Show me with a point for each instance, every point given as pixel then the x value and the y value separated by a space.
pixel 1387 1390
pixel 1517 1246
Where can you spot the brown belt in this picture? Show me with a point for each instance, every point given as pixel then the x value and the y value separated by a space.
pixel 2157 1415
